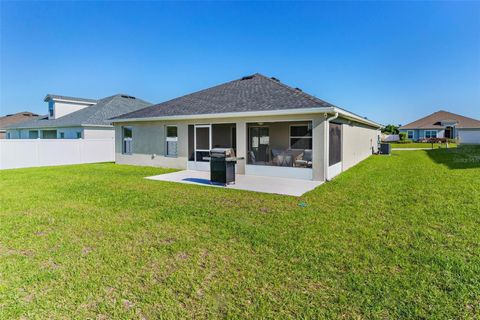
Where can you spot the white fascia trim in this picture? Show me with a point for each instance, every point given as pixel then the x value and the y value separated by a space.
pixel 74 101
pixel 254 114
pixel 352 116
pixel 97 125
pixel 230 115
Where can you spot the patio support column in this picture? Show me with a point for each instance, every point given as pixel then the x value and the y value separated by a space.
pixel 319 148
pixel 241 145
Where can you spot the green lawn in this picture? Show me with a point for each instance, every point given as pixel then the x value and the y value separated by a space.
pixel 394 237
pixel 422 145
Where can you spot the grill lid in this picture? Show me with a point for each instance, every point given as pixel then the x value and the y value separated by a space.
pixel 222 152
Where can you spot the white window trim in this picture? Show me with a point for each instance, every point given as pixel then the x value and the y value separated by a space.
pixel 170 139
pixel 300 137
pixel 408 134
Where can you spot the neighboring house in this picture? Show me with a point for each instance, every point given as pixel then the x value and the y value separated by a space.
pixel 11 119
pixel 76 118
pixel 281 131
pixel 443 124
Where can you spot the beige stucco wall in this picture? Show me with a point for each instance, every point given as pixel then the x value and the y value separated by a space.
pixel 148 143
pixel 98 133
pixel 358 141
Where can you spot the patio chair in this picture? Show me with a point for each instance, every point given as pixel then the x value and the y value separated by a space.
pixel 253 159
pixel 284 160
pixel 306 160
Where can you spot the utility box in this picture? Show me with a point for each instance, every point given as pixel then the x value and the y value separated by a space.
pixel 385 148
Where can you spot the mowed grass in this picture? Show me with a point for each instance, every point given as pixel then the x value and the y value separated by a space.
pixel 394 237
pixel 422 145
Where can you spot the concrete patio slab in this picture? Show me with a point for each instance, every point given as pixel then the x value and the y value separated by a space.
pixel 284 186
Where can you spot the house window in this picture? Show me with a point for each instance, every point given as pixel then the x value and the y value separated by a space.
pixel 33 134
pixel 430 134
pixel 127 137
pixel 49 134
pixel 79 135
pixel 62 135
pixel 50 108
pixel 171 141
pixel 410 134
pixel 8 135
pixel 301 136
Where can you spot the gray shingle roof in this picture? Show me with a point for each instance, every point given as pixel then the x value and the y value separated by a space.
pixel 94 115
pixel 56 96
pixel 252 93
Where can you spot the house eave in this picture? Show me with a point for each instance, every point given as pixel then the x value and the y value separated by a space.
pixel 327 110
pixel 66 126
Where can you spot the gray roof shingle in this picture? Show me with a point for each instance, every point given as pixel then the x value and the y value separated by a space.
pixel 253 93
pixel 94 115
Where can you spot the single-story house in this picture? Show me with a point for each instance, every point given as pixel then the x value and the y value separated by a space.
pixel 11 119
pixel 444 124
pixel 76 118
pixel 280 131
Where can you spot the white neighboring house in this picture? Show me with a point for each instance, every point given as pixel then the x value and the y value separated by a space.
pixel 76 118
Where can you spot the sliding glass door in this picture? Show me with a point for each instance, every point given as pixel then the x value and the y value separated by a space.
pixel 259 144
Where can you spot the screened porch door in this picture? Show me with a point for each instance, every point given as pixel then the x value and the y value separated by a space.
pixel 334 150
pixel 202 145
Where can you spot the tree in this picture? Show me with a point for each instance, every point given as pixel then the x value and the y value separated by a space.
pixel 390 129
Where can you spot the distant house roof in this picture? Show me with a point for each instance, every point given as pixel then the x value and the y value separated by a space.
pixel 49 97
pixel 440 119
pixel 94 115
pixel 11 119
pixel 253 93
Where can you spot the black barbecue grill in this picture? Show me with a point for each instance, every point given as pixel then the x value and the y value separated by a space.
pixel 222 165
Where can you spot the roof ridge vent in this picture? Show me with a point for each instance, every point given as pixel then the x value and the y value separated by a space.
pixel 298 89
pixel 275 79
pixel 127 97
pixel 248 77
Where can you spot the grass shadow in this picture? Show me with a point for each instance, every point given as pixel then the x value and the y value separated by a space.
pixel 462 157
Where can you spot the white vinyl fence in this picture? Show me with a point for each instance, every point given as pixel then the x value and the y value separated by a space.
pixel 390 137
pixel 24 153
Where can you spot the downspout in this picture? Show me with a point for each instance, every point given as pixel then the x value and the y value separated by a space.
pixel 327 144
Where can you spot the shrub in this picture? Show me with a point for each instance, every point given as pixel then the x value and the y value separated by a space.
pixel 403 136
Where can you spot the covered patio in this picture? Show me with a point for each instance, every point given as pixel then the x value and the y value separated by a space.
pixel 271 148
pixel 275 185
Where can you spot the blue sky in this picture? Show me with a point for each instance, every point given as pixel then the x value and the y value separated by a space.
pixel 390 61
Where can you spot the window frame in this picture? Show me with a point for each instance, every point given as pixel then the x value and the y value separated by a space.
pixel 408 134
pixel 300 137
pixel 130 139
pixel 51 109
pixel 430 134
pixel 79 134
pixel 62 134
pixel 171 139
pixel 37 133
